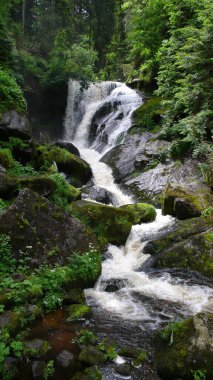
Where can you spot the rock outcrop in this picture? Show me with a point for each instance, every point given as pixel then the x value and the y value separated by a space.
pixel 51 234
pixel 14 124
pixel 185 348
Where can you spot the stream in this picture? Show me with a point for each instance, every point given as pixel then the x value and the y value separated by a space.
pixel 129 303
pixel 130 299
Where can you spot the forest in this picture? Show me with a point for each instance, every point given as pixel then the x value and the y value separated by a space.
pixel 106 189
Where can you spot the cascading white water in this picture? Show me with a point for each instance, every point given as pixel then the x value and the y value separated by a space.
pixel 123 265
pixel 125 262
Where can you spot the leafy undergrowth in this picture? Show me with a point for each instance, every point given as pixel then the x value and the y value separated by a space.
pixel 38 291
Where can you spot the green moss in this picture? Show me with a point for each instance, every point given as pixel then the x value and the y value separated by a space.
pixel 177 355
pixel 142 212
pixel 36 348
pixel 78 170
pixel 193 254
pixel 91 373
pixel 6 158
pixel 78 312
pixel 64 193
pixel 111 225
pixel 92 355
pixel 149 115
pixel 194 201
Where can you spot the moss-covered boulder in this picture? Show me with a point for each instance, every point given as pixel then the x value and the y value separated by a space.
pixel 8 186
pixel 6 158
pixel 11 321
pixel 195 253
pixel 111 225
pixel 36 348
pixel 79 311
pixel 92 355
pixel 91 373
pixel 187 245
pixel 185 203
pixel 68 146
pixel 142 212
pixel 42 185
pixel 53 235
pixel 184 348
pixel 78 170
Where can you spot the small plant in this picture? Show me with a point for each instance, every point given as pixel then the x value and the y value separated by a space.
pixel 49 370
pixel 200 374
pixel 7 261
pixel 85 337
pixel 21 170
pixel 168 333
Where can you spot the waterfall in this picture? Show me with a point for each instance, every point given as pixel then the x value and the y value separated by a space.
pixel 97 119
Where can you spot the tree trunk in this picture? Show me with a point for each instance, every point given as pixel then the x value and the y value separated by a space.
pixel 23 14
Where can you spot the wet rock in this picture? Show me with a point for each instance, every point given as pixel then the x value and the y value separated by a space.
pixel 195 253
pixel 99 194
pixel 123 369
pixel 142 212
pixel 91 373
pixel 2 170
pixel 191 348
pixel 8 186
pixel 113 285
pixel 68 146
pixel 78 312
pixel 11 320
pixel 38 368
pixel 152 183
pixel 33 221
pixel 42 185
pixel 75 296
pixel 130 352
pixel 92 355
pixel 32 311
pixel 185 202
pixel 14 124
pixel 36 348
pixel 188 246
pixel 112 225
pixel 65 358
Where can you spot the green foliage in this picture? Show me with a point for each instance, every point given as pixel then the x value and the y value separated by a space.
pixel 65 193
pixel 14 142
pixel 22 170
pixel 3 204
pixel 149 115
pixel 200 374
pixel 7 261
pixel 169 332
pixel 6 158
pixel 11 96
pixel 86 337
pixel 49 370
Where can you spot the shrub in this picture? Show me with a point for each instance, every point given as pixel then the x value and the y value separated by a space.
pixel 11 96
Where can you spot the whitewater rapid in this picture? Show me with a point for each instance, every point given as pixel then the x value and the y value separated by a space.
pixel 124 264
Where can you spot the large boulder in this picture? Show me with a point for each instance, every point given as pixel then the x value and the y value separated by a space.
pixel 14 124
pixel 32 221
pixel 186 202
pixel 77 170
pixel 188 246
pixel 184 348
pixel 45 186
pixel 111 225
